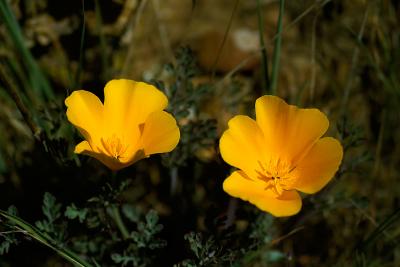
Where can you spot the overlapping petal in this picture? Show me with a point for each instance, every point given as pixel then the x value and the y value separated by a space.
pixel 85 111
pixel 289 131
pixel 160 133
pixel 241 145
pixel 237 185
pixel 84 148
pixel 318 167
pixel 127 104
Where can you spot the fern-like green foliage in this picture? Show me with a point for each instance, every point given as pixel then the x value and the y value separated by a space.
pixel 185 100
pixel 72 212
pixel 145 236
pixel 52 212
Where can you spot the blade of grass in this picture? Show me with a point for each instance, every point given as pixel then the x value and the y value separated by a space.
pixel 277 50
pixel 77 81
pixel 194 2
pixel 312 61
pixel 264 56
pixel 286 28
pixel 378 150
pixel 31 231
pixel 12 90
pixel 214 66
pixel 103 44
pixel 38 81
pixel 164 38
pixel 131 50
pixel 354 62
pixel 380 229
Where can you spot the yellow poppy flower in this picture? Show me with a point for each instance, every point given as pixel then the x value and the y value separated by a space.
pixel 129 126
pixel 277 154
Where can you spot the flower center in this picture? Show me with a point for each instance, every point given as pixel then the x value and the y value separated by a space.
pixel 276 174
pixel 114 147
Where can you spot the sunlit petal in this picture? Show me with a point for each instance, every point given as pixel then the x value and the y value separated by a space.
pixel 242 145
pixel 127 104
pixel 318 167
pixel 287 204
pixel 85 112
pixel 131 120
pixel 289 131
pixel 84 148
pixel 160 133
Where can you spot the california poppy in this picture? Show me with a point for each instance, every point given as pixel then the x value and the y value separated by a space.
pixel 130 125
pixel 278 154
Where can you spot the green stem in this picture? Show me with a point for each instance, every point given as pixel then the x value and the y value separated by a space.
pixel 45 240
pixel 115 213
pixel 277 49
pixel 118 221
pixel 81 49
pixel 103 43
pixel 214 66
pixel 264 56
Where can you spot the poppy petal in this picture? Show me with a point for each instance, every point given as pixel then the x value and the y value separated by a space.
pixel 241 145
pixel 289 131
pixel 318 167
pixel 127 104
pixel 85 112
pixel 287 204
pixel 160 133
pixel 84 148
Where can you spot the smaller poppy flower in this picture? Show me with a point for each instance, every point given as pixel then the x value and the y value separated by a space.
pixel 129 126
pixel 278 154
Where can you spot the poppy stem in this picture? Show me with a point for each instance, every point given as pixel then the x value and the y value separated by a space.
pixel 174 180
pixel 116 215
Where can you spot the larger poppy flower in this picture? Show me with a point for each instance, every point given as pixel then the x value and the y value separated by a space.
pixel 129 126
pixel 277 154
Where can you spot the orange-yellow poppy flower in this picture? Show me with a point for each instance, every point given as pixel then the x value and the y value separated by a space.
pixel 277 154
pixel 129 126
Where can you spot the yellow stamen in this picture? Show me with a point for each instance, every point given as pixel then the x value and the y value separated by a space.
pixel 276 174
pixel 114 147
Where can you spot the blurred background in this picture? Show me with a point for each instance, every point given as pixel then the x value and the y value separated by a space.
pixel 342 57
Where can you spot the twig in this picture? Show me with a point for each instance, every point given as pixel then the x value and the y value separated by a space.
pixel 279 239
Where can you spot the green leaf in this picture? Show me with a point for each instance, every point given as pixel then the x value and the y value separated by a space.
pixel 145 235
pixel 131 213
pixel 72 212
pixel 124 260
pixel 52 212
pixel 274 256
pixel 51 209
